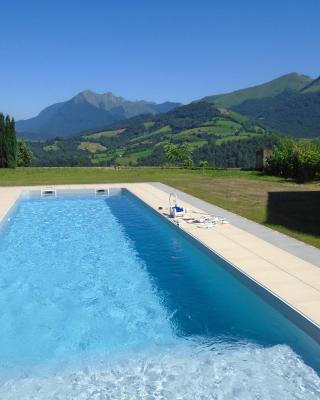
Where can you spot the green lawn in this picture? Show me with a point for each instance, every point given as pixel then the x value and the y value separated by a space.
pixel 245 193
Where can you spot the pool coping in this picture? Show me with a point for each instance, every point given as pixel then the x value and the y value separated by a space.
pixel 294 246
pixel 274 280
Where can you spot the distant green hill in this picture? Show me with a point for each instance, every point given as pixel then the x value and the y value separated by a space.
pixel 291 113
pixel 292 82
pixel 288 105
pixel 139 140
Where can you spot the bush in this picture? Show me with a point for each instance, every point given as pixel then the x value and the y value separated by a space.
pixel 25 155
pixel 299 160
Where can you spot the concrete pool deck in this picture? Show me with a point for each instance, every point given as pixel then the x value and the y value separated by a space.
pixel 285 270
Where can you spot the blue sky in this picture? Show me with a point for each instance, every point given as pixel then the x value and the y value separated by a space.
pixel 176 50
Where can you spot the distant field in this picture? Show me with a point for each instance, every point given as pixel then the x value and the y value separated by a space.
pixel 91 147
pixel 285 206
pixel 103 134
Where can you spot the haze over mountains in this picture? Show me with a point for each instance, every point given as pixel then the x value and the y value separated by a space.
pixel 84 111
pixel 287 105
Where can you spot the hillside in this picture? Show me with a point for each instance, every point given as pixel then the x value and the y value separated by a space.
pixel 291 113
pixel 289 82
pixel 313 87
pixel 84 111
pixel 288 105
pixel 139 140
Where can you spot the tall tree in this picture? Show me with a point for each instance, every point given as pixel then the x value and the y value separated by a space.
pixel 2 142
pixel 8 143
pixel 13 145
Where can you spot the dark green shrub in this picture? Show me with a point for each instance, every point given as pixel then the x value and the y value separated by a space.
pixel 299 160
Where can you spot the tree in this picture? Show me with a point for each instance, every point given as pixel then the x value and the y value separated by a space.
pixel 25 155
pixel 237 153
pixel 12 142
pixel 8 143
pixel 185 155
pixel 3 158
pixel 178 155
pixel 171 152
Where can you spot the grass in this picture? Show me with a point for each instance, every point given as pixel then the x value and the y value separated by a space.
pixel 107 134
pixel 133 157
pixel 242 192
pixel 227 124
pixel 92 147
pixel 159 132
pixel 241 136
pixel 225 130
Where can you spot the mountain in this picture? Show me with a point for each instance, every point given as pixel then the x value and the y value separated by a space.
pixel 289 82
pixel 288 105
pixel 84 111
pixel 294 113
pixel 291 113
pixel 222 137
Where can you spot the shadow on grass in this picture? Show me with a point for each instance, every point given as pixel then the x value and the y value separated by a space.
pixel 299 211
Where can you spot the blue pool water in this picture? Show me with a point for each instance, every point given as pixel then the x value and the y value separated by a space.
pixel 102 299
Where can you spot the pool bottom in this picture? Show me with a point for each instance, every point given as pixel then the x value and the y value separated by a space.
pixel 185 370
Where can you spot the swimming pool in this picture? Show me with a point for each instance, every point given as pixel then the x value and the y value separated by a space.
pixel 102 298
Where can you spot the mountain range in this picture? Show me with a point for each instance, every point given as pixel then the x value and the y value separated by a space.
pixel 84 111
pixel 287 105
